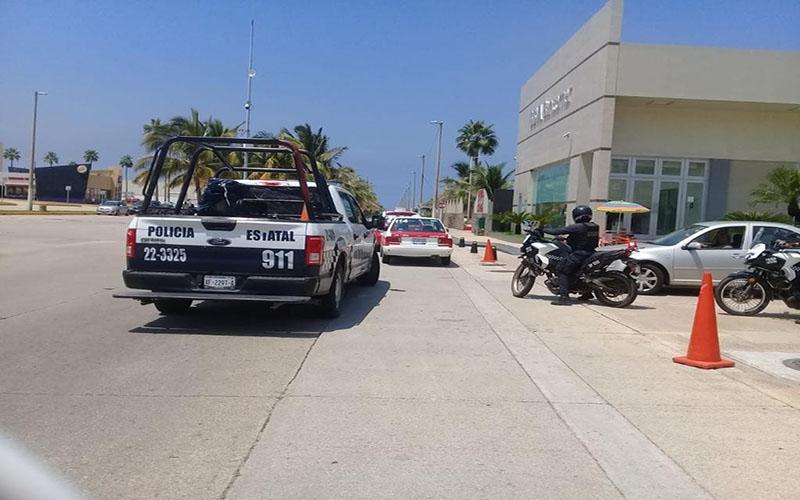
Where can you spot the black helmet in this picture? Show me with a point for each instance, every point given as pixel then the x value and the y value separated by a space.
pixel 582 213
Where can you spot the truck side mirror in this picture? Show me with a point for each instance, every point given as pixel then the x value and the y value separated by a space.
pixel 376 222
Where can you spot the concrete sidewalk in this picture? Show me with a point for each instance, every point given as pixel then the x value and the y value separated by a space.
pixel 732 431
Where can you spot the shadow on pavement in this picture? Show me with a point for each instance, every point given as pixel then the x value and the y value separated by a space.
pixel 254 319
pixel 418 262
pixel 592 302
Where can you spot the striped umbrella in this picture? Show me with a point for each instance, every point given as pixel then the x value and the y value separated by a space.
pixel 622 207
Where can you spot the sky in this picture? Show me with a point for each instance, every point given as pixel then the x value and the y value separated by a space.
pixel 372 74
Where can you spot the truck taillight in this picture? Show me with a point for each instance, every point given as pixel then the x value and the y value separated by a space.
pixel 315 248
pixel 130 244
pixel 391 240
pixel 445 242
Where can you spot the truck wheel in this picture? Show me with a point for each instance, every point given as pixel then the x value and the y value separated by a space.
pixel 173 306
pixel 445 261
pixel 331 305
pixel 385 258
pixel 371 277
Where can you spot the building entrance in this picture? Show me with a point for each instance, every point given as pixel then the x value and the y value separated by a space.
pixel 673 189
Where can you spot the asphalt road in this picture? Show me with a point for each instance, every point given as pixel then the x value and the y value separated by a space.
pixel 433 384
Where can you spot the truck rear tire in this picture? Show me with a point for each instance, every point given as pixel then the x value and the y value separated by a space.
pixel 331 304
pixel 173 306
pixel 371 277
pixel 386 259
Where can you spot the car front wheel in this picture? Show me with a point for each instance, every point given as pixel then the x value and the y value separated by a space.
pixel 650 280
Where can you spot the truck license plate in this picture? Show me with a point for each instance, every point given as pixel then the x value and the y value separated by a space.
pixel 419 241
pixel 222 282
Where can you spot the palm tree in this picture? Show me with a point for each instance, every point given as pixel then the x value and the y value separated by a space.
pixel 315 143
pixel 90 156
pixel 782 186
pixel 51 158
pixel 476 138
pixel 12 155
pixel 126 162
pixel 491 178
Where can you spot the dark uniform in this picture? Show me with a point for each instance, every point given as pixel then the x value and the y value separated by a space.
pixel 582 238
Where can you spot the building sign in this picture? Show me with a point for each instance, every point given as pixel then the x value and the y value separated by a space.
pixel 543 111
pixel 481 202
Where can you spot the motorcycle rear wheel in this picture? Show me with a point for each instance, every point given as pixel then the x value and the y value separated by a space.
pixel 620 290
pixel 733 297
pixel 523 281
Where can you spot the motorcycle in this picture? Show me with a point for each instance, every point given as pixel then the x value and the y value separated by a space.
pixel 606 275
pixel 770 274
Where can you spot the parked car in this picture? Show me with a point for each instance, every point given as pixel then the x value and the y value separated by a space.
pixel 421 237
pixel 111 207
pixel 680 258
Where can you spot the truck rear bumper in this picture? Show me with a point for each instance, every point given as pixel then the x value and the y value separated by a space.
pixel 147 296
pixel 188 283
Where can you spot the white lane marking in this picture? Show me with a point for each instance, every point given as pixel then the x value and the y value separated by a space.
pixel 636 466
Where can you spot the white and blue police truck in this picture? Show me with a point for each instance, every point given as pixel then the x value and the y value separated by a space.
pixel 258 233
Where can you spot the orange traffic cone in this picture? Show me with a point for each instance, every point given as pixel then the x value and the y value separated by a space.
pixel 704 342
pixel 488 254
pixel 304 214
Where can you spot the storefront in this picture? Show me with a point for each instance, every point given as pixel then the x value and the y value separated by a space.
pixel 686 131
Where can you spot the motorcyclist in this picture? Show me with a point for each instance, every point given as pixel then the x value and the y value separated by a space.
pixel 583 237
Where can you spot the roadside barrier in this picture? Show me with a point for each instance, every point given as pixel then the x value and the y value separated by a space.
pixel 489 253
pixel 461 242
pixel 704 343
pixel 474 247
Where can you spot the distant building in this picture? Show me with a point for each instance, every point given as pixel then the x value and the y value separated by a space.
pixel 53 183
pixel 14 183
pixel 685 131
pixel 104 185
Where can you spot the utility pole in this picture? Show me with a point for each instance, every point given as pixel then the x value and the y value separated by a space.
pixel 422 183
pixel 413 189
pixel 251 73
pixel 435 206
pixel 36 95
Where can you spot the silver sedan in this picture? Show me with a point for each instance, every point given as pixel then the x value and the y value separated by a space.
pixel 681 258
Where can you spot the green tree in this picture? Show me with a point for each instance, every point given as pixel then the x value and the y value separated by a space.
pixel 90 156
pixel 12 155
pixel 757 216
pixel 781 187
pixel 476 138
pixel 51 158
pixel 491 178
pixel 126 162
pixel 316 143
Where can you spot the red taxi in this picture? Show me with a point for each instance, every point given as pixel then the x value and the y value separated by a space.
pixel 420 237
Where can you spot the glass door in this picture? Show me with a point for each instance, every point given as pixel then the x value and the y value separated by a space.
pixel 667 215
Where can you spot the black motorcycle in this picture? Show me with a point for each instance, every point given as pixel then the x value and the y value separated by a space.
pixel 770 274
pixel 606 275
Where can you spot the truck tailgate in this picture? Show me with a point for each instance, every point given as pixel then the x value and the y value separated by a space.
pixel 213 245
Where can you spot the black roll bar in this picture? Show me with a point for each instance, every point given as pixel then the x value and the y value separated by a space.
pixel 219 145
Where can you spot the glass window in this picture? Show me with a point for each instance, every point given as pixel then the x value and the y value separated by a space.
pixel 671 167
pixel 617 189
pixel 349 211
pixel 645 167
pixel 619 166
pixel 667 207
pixel 678 236
pixel 697 169
pixel 768 234
pixel 723 238
pixel 643 195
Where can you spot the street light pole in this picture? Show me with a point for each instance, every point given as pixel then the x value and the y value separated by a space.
pixel 413 189
pixel 422 183
pixel 36 95
pixel 251 73
pixel 439 124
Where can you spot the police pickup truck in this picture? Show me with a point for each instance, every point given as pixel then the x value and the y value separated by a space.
pixel 258 233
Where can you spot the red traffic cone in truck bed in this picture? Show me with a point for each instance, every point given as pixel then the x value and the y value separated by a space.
pixel 704 342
